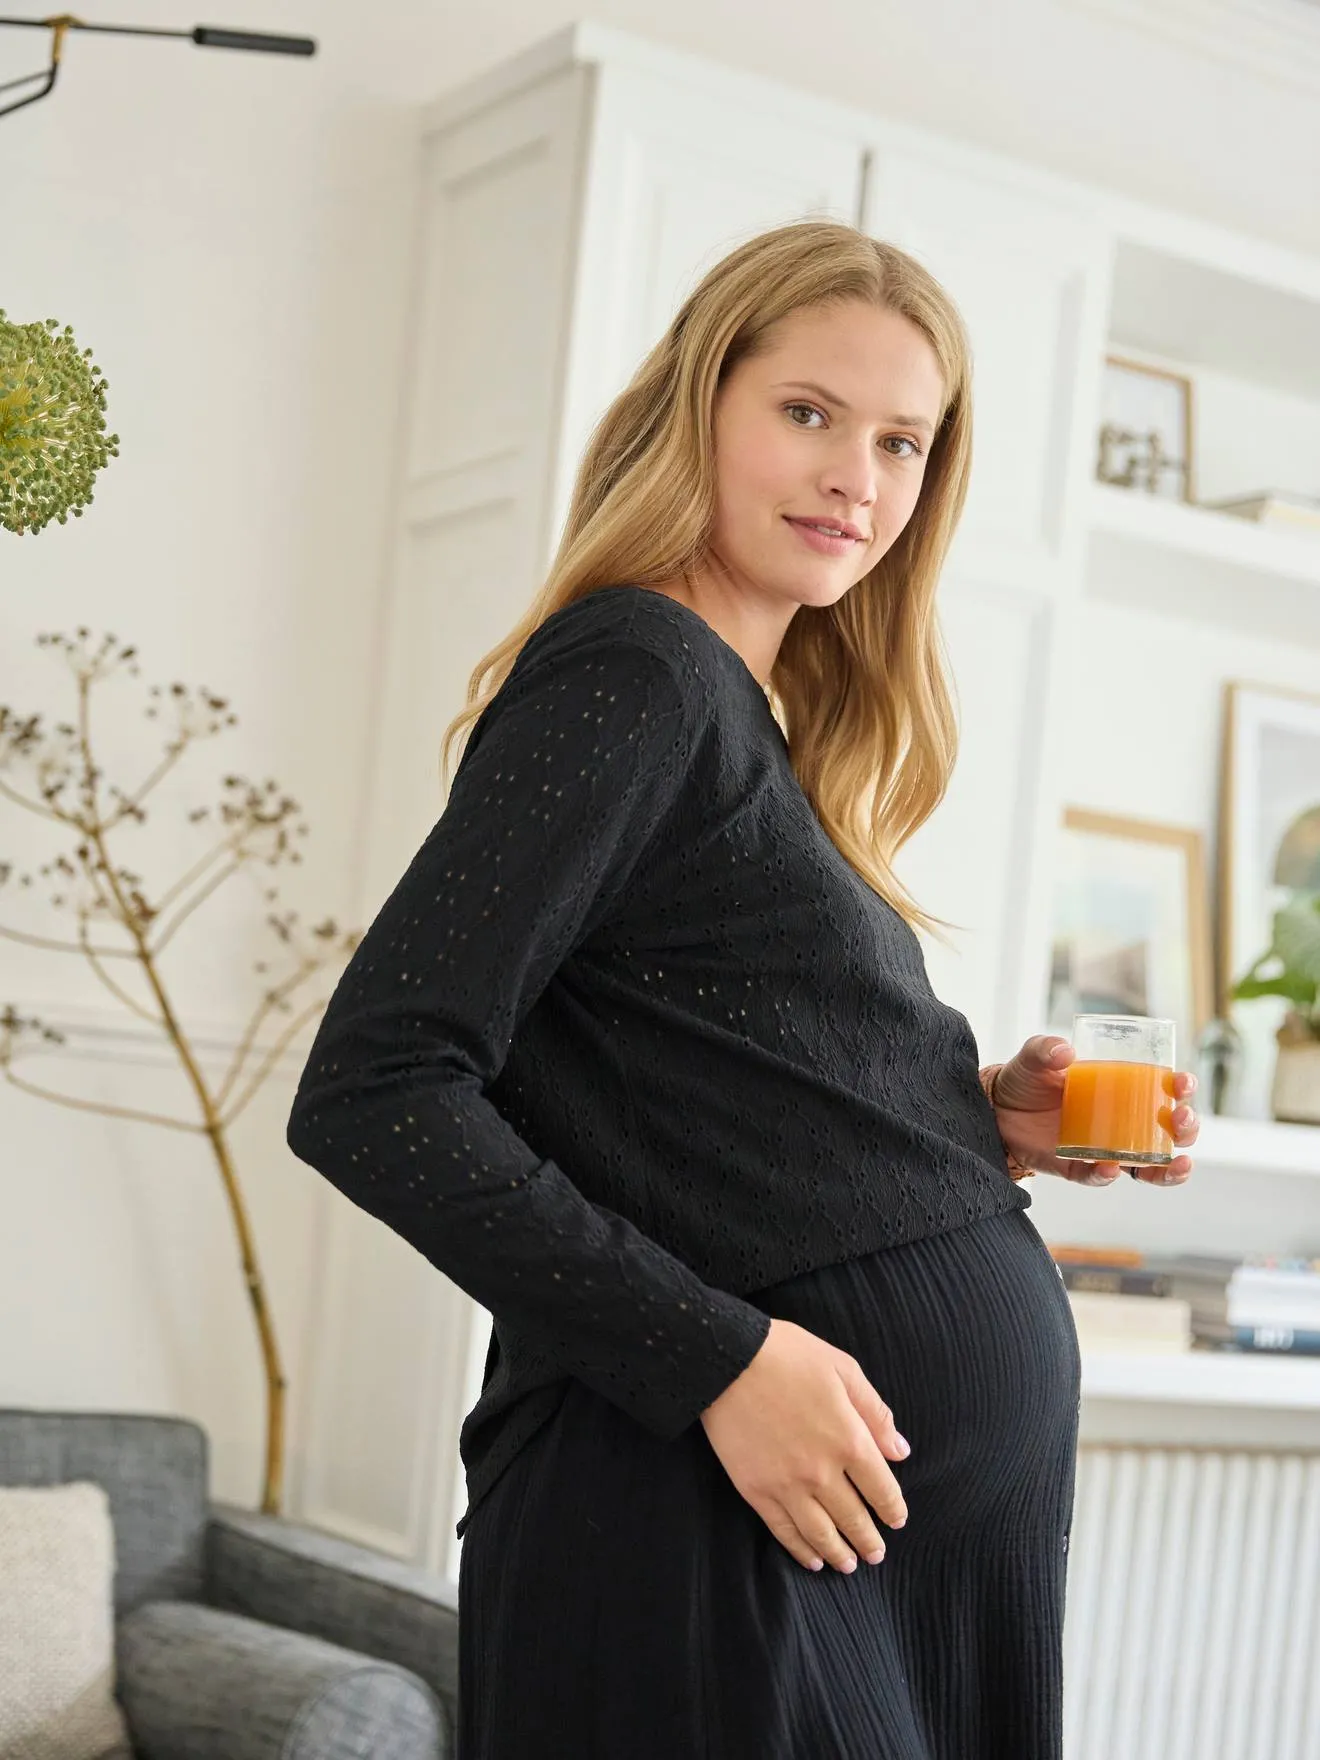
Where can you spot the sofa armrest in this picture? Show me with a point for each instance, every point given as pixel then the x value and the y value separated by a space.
pixel 297 1577
pixel 198 1684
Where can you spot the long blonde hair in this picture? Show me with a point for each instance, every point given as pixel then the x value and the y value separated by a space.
pixel 859 687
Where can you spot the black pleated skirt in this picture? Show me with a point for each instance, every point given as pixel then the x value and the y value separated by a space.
pixel 620 1600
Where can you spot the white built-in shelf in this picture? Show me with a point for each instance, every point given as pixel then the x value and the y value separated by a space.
pixel 1219 1378
pixel 1249 1145
pixel 1205 534
pixel 1191 562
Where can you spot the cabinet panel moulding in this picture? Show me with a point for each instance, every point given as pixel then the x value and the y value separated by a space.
pixel 498 480
pixel 372 1458
pixel 498 198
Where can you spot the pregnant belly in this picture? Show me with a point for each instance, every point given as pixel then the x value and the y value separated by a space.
pixel 968 1337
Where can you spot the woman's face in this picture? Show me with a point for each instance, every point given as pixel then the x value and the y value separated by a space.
pixel 833 422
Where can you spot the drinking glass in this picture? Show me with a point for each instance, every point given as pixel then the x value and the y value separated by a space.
pixel 1118 1095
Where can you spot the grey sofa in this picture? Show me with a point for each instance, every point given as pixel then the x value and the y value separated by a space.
pixel 242 1636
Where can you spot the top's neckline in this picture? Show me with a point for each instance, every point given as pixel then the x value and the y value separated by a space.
pixel 635 587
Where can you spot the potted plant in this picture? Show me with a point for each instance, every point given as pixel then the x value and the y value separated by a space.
pixel 1290 967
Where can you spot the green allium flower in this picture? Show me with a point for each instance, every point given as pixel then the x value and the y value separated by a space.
pixel 52 425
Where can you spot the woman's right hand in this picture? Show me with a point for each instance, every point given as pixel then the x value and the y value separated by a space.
pixel 804 1436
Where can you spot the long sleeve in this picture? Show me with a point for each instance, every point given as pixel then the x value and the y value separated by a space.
pixel 568 774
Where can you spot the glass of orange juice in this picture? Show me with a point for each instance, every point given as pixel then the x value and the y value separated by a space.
pixel 1118 1095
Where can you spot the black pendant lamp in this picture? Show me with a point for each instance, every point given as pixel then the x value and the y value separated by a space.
pixel 205 36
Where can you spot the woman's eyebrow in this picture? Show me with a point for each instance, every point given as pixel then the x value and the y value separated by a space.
pixel 830 397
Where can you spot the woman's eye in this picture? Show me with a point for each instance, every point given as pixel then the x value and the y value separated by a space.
pixel 902 439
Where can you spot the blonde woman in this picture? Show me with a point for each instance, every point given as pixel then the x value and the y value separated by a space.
pixel 642 1053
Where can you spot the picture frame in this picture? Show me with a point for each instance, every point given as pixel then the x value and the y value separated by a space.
pixel 1131 927
pixel 1138 401
pixel 1269 844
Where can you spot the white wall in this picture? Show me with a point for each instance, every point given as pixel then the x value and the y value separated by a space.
pixel 229 235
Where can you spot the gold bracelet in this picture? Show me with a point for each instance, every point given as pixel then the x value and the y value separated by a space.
pixel 1017 1170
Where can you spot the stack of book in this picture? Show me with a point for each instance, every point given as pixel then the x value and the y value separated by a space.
pixel 1273 508
pixel 1126 1300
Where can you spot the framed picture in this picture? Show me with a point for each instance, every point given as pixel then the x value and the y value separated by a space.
pixel 1131 930
pixel 1269 847
pixel 1146 429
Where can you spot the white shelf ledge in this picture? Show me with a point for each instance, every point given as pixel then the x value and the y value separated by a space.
pixel 1220 1378
pixel 1251 1145
pixel 1189 563
pixel 1201 532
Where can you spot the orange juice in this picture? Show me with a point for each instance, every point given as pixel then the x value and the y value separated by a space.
pixel 1117 1112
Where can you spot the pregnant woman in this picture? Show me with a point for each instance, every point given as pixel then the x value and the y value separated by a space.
pixel 641 1052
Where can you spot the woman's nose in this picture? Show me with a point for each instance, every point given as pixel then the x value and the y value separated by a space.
pixel 855 479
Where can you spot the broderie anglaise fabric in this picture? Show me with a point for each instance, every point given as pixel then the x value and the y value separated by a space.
pixel 630 1040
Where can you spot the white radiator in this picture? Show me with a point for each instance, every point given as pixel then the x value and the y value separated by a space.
pixel 1192 1624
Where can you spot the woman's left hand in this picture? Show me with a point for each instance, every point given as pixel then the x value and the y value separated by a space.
pixel 1028 1094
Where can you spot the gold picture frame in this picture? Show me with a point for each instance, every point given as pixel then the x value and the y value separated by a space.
pixel 1120 414
pixel 1131 931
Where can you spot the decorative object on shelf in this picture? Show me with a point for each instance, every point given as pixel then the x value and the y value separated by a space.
pixel 1146 429
pixel 1290 967
pixel 1131 928
pixel 120 928
pixel 204 36
pixel 1269 882
pixel 52 425
pixel 1274 507
pixel 1219 1067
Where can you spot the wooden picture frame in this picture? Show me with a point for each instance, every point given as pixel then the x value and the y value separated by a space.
pixel 1131 931
pixel 1165 402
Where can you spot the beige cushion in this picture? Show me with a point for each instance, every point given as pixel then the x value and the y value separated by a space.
pixel 57 1656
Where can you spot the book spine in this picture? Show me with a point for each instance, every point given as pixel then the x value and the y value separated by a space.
pixel 1294 1340
pixel 1116 1283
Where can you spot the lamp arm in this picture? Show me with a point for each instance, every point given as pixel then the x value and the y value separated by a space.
pixel 203 35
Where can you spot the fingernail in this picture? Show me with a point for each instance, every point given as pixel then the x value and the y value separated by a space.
pixel 818 1564
pixel 875 1557
pixel 904 1446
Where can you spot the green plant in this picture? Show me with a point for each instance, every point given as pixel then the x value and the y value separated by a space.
pixel 52 425
pixel 1294 955
pixel 120 926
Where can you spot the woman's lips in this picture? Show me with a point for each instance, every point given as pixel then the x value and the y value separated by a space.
pixel 821 541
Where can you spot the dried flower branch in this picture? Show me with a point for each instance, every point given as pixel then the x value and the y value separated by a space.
pixel 257 824
pixel 52 425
